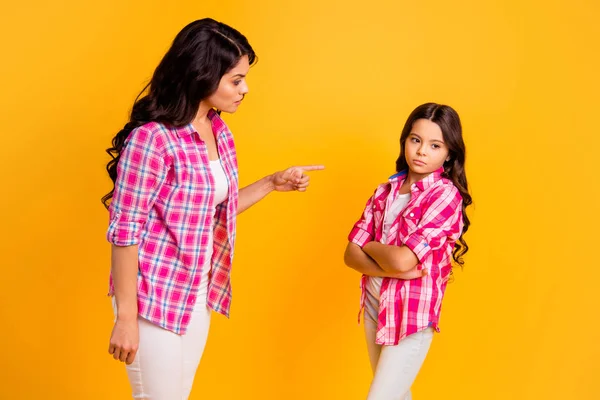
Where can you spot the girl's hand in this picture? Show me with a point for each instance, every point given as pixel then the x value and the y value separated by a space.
pixel 293 178
pixel 124 340
pixel 410 274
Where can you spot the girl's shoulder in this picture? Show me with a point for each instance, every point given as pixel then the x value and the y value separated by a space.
pixel 444 189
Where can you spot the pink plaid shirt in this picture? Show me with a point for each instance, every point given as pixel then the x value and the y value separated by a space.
pixel 163 196
pixel 429 225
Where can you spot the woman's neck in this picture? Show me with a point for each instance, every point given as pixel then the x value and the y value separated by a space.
pixel 201 117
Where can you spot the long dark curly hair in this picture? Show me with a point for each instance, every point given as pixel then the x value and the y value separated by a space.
pixel 454 169
pixel 189 72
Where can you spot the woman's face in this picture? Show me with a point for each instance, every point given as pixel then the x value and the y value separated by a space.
pixel 232 88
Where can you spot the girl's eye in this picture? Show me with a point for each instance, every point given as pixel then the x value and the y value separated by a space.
pixel 414 140
pixel 436 146
pixel 237 82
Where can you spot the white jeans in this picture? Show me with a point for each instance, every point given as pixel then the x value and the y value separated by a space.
pixel 394 367
pixel 165 364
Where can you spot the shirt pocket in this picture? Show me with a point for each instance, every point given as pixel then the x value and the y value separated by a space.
pixel 411 219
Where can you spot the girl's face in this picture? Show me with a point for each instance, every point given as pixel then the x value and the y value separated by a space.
pixel 232 88
pixel 425 150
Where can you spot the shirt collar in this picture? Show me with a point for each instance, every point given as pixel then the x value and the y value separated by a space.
pixel 424 183
pixel 218 125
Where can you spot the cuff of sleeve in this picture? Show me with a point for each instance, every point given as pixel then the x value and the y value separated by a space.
pixel 419 245
pixel 360 237
pixel 123 233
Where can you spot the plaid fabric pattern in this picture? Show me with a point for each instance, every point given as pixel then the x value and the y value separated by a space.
pixel 429 225
pixel 163 202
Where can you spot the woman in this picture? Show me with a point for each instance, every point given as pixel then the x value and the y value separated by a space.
pixel 174 206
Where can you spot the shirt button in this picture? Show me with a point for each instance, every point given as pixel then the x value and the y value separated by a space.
pixel 412 214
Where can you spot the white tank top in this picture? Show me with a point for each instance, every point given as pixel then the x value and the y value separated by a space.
pixel 221 187
pixel 391 213
pixel 221 192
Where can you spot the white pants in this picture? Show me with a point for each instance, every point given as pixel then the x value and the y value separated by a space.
pixel 165 364
pixel 394 367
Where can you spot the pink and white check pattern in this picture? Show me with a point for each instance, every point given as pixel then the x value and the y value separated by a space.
pixel 162 202
pixel 429 225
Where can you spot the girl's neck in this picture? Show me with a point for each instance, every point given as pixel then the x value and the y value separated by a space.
pixel 414 177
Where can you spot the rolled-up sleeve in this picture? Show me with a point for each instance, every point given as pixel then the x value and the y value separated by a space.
pixel 363 230
pixel 140 174
pixel 441 221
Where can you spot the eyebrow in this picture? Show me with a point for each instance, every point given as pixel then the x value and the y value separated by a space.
pixel 434 140
pixel 239 75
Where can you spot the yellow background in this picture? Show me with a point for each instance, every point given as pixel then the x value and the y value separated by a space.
pixel 334 85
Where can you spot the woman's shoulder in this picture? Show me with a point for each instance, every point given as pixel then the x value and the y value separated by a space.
pixel 151 135
pixel 152 128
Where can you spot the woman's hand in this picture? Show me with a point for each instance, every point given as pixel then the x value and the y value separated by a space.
pixel 124 340
pixel 293 178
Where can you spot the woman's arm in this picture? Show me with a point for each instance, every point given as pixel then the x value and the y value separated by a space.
pixel 141 172
pixel 253 193
pixel 293 178
pixel 124 268
pixel 124 338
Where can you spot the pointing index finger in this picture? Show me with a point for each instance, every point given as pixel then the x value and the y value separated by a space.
pixel 311 167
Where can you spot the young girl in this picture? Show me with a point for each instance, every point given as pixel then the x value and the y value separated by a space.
pixel 404 243
pixel 174 207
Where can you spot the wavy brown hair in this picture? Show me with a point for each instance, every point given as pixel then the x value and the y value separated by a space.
pixel 189 72
pixel 454 169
